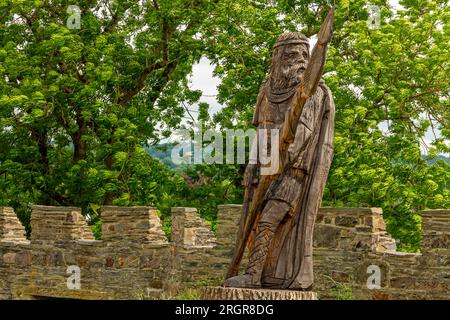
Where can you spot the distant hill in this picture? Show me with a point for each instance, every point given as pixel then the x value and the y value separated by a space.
pixel 439 157
pixel 162 152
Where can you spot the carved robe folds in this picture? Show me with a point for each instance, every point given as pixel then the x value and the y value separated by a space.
pixel 301 185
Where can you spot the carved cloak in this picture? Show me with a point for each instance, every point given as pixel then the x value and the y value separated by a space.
pixel 289 264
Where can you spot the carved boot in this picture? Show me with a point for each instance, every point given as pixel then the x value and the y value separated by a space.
pixel 258 255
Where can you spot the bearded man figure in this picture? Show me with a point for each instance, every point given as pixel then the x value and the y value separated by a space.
pixel 280 243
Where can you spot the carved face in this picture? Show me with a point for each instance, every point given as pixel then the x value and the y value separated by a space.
pixel 296 56
pixel 289 62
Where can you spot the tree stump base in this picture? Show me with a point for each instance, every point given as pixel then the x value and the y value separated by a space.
pixel 222 293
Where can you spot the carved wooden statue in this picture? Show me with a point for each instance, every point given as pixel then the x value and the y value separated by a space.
pixel 279 209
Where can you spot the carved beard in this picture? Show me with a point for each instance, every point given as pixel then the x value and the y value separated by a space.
pixel 285 76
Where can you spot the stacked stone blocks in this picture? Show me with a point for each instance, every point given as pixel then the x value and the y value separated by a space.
pixel 135 260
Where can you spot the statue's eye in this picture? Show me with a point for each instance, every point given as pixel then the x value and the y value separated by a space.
pixel 305 54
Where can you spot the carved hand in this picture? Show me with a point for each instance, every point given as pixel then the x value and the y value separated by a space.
pixel 250 175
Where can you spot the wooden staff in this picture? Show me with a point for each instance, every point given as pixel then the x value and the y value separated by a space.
pixel 307 88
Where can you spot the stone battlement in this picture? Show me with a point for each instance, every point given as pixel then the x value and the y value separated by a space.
pixel 58 224
pixel 134 259
pixel 349 241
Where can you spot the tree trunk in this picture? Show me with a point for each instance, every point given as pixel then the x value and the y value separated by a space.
pixel 79 144
pixel 109 197
pixel 80 149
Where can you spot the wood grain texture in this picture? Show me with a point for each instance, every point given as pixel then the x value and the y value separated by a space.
pixel 281 203
pixel 221 293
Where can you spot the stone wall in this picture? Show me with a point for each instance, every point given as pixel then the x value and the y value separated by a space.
pixel 348 241
pixel 135 260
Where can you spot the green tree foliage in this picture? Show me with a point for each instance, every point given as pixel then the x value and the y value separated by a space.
pixel 390 86
pixel 78 107
pixel 400 73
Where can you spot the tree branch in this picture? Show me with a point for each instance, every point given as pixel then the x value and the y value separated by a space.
pixel 169 66
pixel 116 19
